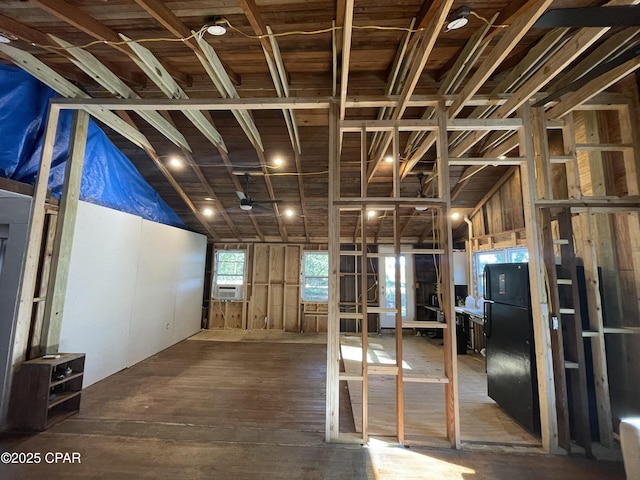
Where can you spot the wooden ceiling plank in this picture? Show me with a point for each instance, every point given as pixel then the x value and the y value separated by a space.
pixel 111 82
pixel 165 17
pixel 510 38
pixel 92 27
pixel 591 89
pixel 57 82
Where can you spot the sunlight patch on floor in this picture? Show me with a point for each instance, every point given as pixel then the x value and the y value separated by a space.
pixel 393 462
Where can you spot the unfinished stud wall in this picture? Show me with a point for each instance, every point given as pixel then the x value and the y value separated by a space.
pixel 271 292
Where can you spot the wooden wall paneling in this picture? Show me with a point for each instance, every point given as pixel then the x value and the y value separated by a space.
pixel 234 314
pixel 574 190
pixel 570 298
pixel 259 301
pixel 540 307
pixel 585 228
pixel 629 125
pixel 542 167
pixel 601 180
pixel 291 300
pixel 277 268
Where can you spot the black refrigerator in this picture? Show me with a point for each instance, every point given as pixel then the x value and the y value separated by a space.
pixel 511 361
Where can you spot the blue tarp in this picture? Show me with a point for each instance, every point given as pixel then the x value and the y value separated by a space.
pixel 108 177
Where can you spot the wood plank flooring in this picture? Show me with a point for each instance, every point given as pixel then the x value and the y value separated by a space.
pixel 481 418
pixel 206 409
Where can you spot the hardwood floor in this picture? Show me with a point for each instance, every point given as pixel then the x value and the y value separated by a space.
pixel 206 409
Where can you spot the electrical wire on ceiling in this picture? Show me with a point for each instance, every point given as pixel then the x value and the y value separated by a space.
pixel 200 32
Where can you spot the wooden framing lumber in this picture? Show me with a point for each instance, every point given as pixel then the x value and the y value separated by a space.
pixel 65 229
pixel 448 294
pixel 57 82
pixel 539 302
pixel 20 343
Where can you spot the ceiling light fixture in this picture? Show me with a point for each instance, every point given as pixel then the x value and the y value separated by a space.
pixel 207 212
pixel 4 39
pixel 371 213
pixel 421 208
pixel 176 162
pixel 455 215
pixel 277 162
pixel 218 27
pixel 289 213
pixel 389 159
pixel 502 157
pixel 458 19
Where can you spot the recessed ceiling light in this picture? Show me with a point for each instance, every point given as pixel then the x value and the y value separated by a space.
pixel 176 162
pixel 289 212
pixel 371 213
pixel 207 212
pixel 458 18
pixel 277 162
pixel 502 157
pixel 217 29
pixel 389 159
pixel 421 209
pixel 455 215
pixel 4 39
pixel 209 199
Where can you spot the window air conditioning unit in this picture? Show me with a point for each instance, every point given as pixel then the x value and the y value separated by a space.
pixel 228 292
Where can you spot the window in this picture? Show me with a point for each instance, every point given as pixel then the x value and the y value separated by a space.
pixel 315 277
pixel 507 255
pixel 229 267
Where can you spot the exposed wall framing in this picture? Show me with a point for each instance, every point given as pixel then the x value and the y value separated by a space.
pixel 586 186
pixel 272 297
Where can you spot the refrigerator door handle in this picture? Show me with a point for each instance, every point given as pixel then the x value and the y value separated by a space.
pixel 487 317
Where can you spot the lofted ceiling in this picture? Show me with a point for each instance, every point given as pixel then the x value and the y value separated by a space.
pixel 351 49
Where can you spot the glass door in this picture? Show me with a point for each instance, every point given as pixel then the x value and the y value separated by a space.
pixel 388 287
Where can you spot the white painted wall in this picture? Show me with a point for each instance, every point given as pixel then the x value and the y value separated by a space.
pixel 135 288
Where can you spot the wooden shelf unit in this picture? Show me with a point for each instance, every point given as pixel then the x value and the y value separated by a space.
pixel 46 391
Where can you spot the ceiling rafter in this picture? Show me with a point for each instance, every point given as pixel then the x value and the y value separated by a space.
pixel 57 82
pixel 433 21
pixel 576 46
pixel 510 38
pixel 163 15
pixel 92 27
pixel 35 37
pixel 467 58
pixel 220 74
pixel 153 117
pixel 593 88
pixel 204 221
pixel 89 64
pixel 347 31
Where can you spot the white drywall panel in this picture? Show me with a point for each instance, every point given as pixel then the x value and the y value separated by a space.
pixel 102 279
pixel 162 314
pixel 189 287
